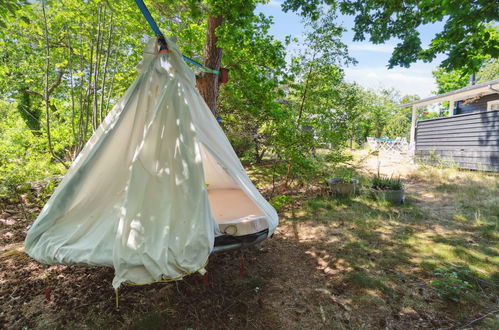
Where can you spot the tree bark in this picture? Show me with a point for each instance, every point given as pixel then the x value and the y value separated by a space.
pixel 106 61
pixel 304 94
pixel 72 92
pixel 207 83
pixel 47 89
pixel 352 135
pixel 98 50
pixel 87 96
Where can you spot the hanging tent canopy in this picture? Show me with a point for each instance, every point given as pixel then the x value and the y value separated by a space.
pixel 154 188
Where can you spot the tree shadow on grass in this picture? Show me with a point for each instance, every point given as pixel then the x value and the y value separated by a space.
pixel 338 263
pixel 274 292
pixel 379 251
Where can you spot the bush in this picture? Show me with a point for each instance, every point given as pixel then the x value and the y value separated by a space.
pixel 23 156
pixel 280 201
pixel 242 144
pixel 449 285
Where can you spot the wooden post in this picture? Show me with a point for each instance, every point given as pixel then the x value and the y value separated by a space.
pixel 451 109
pixel 412 142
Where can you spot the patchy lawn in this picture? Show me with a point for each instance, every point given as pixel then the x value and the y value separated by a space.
pixel 333 263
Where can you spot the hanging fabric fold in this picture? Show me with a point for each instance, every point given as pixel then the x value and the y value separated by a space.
pixel 153 186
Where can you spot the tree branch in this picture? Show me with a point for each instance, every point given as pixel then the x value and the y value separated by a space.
pixel 57 82
pixel 476 320
pixel 47 89
pixel 28 91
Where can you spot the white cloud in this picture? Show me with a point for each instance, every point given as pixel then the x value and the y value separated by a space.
pixel 365 47
pixel 407 81
pixel 274 3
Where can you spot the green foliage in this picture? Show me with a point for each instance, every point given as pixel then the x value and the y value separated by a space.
pixel 280 201
pixel 375 114
pixel 300 116
pixel 450 285
pixel 449 81
pixel 469 36
pixel 345 174
pixel 92 49
pixel 488 71
pixel 318 103
pixel 398 123
pixel 241 142
pixel 9 8
pixel 23 159
pixel 248 102
pixel 384 183
pixel 381 106
pixel 29 112
pixel 348 178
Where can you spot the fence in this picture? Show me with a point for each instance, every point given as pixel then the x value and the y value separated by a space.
pixel 397 145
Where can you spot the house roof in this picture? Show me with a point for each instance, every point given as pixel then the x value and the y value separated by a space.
pixel 485 88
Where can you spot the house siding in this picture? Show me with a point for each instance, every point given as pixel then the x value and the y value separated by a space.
pixel 470 141
pixel 478 105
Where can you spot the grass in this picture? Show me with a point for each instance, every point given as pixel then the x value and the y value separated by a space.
pixel 361 279
pixel 337 263
pixel 447 245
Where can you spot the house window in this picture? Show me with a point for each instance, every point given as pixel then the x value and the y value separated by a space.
pixel 493 105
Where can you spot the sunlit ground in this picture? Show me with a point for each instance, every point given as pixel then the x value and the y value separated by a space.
pixel 346 263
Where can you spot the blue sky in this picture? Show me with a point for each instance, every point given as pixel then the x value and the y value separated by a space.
pixel 371 70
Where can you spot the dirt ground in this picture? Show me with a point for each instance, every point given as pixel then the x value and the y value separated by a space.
pixel 311 275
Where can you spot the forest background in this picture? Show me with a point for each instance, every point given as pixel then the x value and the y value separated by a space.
pixel 64 64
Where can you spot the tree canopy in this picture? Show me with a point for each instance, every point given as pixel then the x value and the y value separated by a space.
pixel 469 37
pixel 65 65
pixel 451 80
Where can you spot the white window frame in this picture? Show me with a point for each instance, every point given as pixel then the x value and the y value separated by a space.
pixel 492 103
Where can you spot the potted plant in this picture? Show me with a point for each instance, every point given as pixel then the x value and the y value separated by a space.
pixel 343 186
pixel 389 189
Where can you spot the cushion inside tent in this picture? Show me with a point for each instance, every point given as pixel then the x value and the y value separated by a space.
pixel 235 213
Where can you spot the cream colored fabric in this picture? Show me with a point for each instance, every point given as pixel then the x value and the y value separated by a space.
pixel 235 213
pixel 231 204
pixel 136 197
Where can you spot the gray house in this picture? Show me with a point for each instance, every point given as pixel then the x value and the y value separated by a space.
pixel 468 136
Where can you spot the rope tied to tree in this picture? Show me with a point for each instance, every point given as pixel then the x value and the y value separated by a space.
pixel 163 47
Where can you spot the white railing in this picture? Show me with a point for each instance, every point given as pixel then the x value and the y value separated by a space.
pixel 398 144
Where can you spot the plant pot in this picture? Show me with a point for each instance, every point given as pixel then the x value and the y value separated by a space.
pixel 392 196
pixel 341 188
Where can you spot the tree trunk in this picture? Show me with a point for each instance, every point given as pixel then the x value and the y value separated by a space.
pixel 352 135
pixel 106 61
pixel 98 50
pixel 207 83
pixel 47 89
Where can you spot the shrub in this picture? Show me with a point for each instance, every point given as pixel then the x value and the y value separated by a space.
pixel 24 158
pixel 344 175
pixel 383 183
pixel 280 201
pixel 242 144
pixel 449 285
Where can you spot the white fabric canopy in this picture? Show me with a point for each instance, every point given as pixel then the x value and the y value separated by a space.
pixel 136 198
